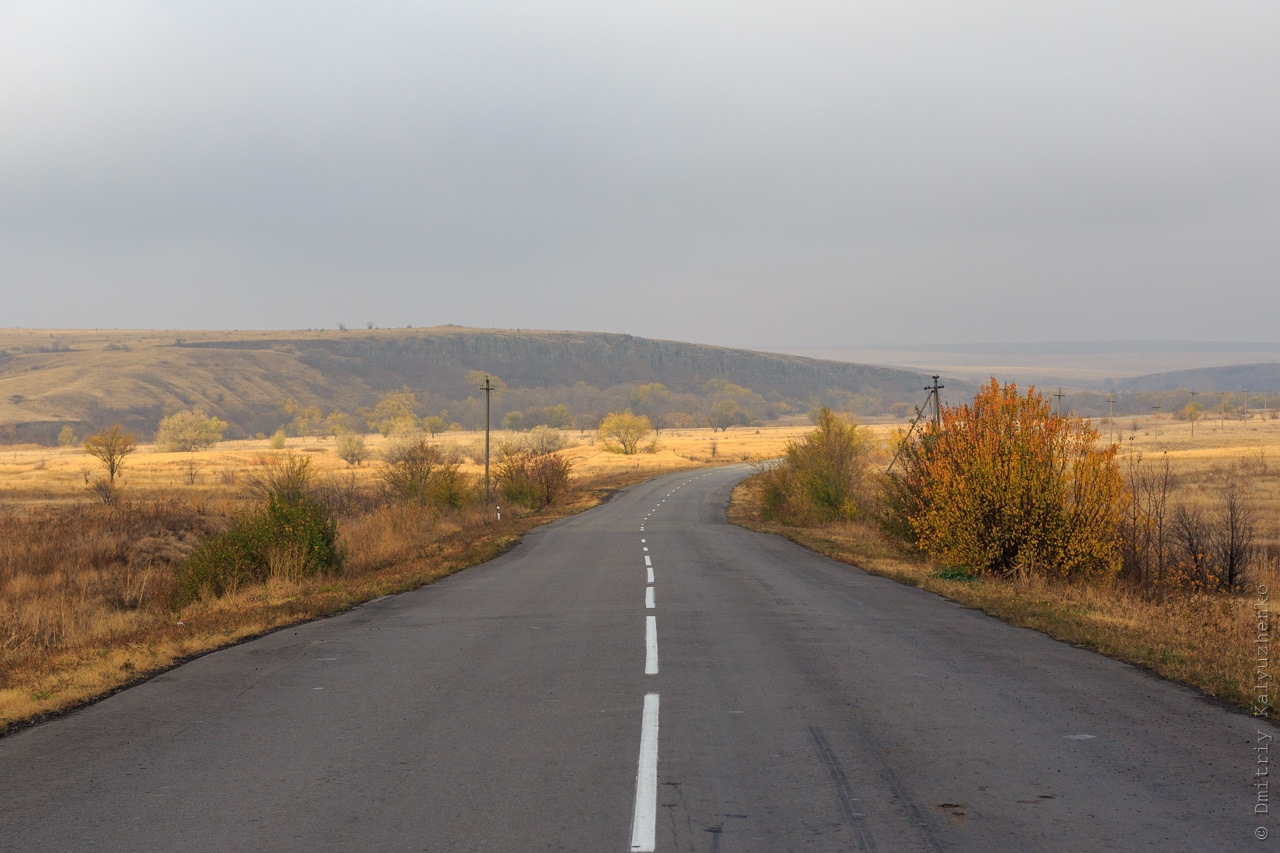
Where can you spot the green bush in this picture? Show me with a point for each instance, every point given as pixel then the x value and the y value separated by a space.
pixel 821 478
pixel 291 537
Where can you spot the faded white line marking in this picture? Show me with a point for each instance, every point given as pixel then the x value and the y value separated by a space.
pixel 648 597
pixel 651 645
pixel 651 574
pixel 647 561
pixel 645 548
pixel 645 817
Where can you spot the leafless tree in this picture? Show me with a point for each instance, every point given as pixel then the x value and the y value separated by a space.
pixel 1236 528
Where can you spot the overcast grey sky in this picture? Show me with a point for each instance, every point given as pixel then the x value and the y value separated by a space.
pixel 747 173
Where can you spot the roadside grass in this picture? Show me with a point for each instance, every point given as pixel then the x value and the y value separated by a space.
pixel 86 591
pixel 1206 641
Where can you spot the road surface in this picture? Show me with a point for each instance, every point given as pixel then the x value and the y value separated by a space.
pixel 644 676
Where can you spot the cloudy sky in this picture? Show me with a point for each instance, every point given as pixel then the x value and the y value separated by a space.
pixel 747 173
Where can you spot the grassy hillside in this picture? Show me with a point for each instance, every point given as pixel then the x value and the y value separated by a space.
pixel 1241 377
pixel 93 378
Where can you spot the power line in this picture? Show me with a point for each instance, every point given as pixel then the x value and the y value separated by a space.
pixel 933 398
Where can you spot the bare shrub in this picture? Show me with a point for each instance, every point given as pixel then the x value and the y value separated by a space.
pixel 1235 529
pixel 407 477
pixel 532 480
pixel 107 493
pixel 286 477
pixel 343 496
pixel 191 469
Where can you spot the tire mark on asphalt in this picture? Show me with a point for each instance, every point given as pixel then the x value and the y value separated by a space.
pixel 857 821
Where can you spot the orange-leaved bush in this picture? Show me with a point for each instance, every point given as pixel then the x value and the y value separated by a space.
pixel 1005 486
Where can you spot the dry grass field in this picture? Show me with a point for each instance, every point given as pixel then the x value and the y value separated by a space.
pixel 86 590
pixel 32 475
pixel 1252 443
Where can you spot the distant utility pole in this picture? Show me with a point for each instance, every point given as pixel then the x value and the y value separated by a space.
pixel 1222 410
pixel 934 399
pixel 487 388
pixel 937 401
pixel 1264 406
pixel 1155 423
pixel 1059 395
pixel 1191 414
pixel 1111 417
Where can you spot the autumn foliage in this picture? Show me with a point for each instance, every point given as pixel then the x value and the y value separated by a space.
pixel 1004 486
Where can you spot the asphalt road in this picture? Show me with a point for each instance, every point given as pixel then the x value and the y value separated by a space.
pixel 797 704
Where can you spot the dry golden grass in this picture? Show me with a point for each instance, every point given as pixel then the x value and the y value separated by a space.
pixel 85 590
pixel 31 474
pixel 85 604
pixel 1206 641
pixel 1196 462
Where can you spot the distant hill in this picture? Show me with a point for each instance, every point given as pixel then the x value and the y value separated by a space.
pixel 1243 377
pixel 94 378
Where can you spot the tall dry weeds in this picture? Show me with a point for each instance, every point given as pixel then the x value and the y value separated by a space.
pixel 83 574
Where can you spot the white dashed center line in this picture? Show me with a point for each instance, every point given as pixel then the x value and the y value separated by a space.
pixel 645 817
pixel 651 645
pixel 648 597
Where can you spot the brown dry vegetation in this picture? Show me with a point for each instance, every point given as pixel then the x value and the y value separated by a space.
pixel 1207 641
pixel 86 590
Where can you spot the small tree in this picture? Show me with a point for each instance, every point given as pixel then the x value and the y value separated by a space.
pixel 66 436
pixel 726 413
pixel 111 446
pixel 542 440
pixel 557 416
pixel 622 431
pixel 188 431
pixel 351 448
pixel 434 425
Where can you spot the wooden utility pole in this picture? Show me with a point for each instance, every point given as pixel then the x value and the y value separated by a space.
pixel 933 399
pixel 937 401
pixel 487 388
pixel 1191 414
pixel 1059 395
pixel 1155 423
pixel 1111 417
